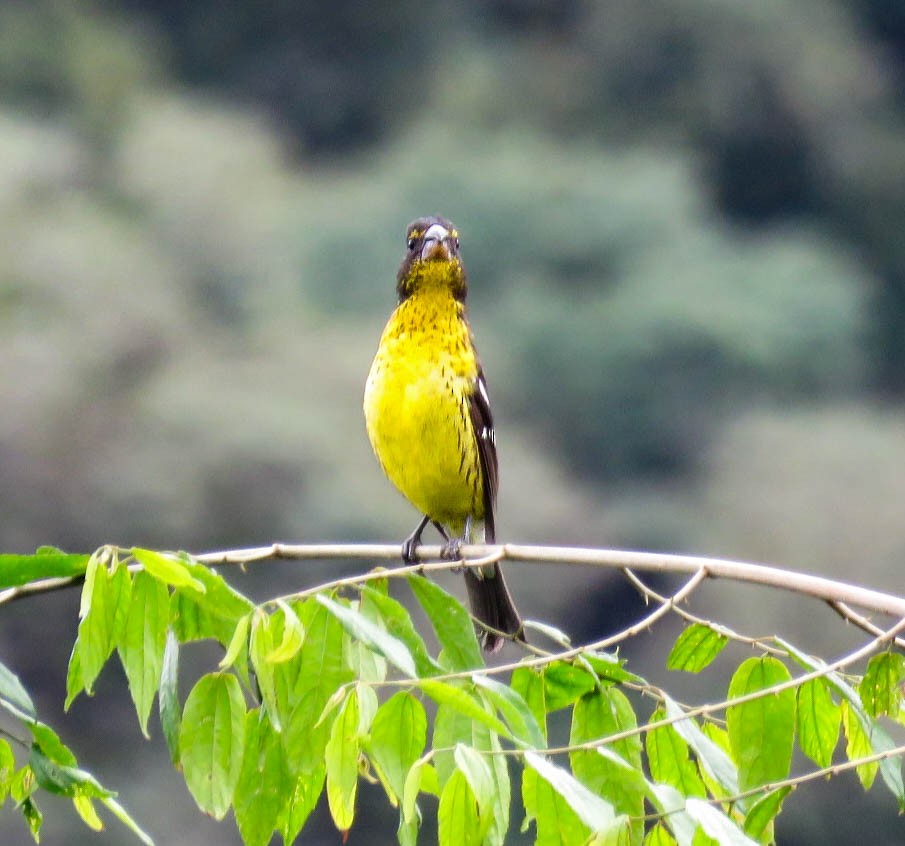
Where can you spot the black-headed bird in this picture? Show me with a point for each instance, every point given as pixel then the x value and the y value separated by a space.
pixel 428 416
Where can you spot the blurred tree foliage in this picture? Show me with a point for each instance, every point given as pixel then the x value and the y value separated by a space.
pixel 587 150
pixel 794 107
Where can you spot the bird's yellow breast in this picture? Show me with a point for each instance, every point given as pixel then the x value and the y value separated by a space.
pixel 416 408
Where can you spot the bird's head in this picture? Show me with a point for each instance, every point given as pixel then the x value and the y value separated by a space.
pixel 431 259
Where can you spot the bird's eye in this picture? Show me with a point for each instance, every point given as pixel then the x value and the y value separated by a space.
pixel 411 243
pixel 457 243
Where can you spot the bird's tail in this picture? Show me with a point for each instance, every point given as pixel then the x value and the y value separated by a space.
pixel 492 605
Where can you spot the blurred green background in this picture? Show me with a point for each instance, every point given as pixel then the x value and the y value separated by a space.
pixel 684 224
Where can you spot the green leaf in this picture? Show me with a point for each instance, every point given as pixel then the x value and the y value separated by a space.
pixel 33 818
pixel 237 643
pixel 528 683
pixel 619 835
pixel 593 811
pixel 399 624
pixel 695 648
pixel 22 785
pixel 764 811
pixel 478 774
pixel 143 641
pixel 48 741
pixel 123 816
pixel 762 731
pixel 214 612
pixel 880 688
pixel 410 790
pixel 608 667
pixel 121 599
pixel 858 745
pixel 84 807
pixel 597 715
pixel 878 739
pixel 7 768
pixel 458 822
pixel 168 697
pixel 167 569
pixel 817 720
pixel 18 570
pixel 713 760
pixel 264 631
pixel 366 664
pixel 407 831
pixel 513 709
pixel 367 707
pixel 452 727
pixel 62 779
pixel 659 836
pixel 74 685
pixel 13 696
pixel 293 635
pixel 397 740
pixel 451 622
pixel 98 561
pixel 557 824
pixel 446 693
pixel 669 761
pixel 307 791
pixel 565 683
pixel 484 739
pixel 369 633
pixel 716 824
pixel 95 640
pixel 264 781
pixel 211 741
pixel 307 683
pixel 341 757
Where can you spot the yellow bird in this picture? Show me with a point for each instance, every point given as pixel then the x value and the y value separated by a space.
pixel 428 416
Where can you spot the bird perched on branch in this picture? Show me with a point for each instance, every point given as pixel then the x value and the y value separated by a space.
pixel 428 416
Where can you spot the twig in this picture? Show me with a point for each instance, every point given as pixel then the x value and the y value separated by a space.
pixel 717 568
pixel 826 772
pixel 759 642
pixel 859 620
pixel 565 655
pixel 703 710
pixel 819 587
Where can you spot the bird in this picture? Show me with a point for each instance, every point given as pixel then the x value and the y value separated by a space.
pixel 427 413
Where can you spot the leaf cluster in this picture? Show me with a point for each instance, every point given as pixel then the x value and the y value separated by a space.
pixel 322 689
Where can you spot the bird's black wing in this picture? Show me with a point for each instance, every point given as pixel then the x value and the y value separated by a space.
pixel 482 422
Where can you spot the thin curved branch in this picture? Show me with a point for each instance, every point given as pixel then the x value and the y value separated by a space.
pixel 859 620
pixel 564 655
pixel 715 707
pixel 819 587
pixel 717 568
pixel 794 781
pixel 759 642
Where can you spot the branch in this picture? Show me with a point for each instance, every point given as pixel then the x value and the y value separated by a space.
pixel 545 658
pixel 825 772
pixel 859 620
pixel 819 587
pixel 759 642
pixel 715 707
pixel 829 590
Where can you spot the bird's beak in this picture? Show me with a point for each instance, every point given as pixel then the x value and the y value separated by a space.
pixel 437 245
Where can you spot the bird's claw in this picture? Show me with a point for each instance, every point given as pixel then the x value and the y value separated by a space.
pixel 410 550
pixel 452 549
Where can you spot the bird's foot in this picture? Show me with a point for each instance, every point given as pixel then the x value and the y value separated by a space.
pixel 412 542
pixel 452 549
pixel 410 550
